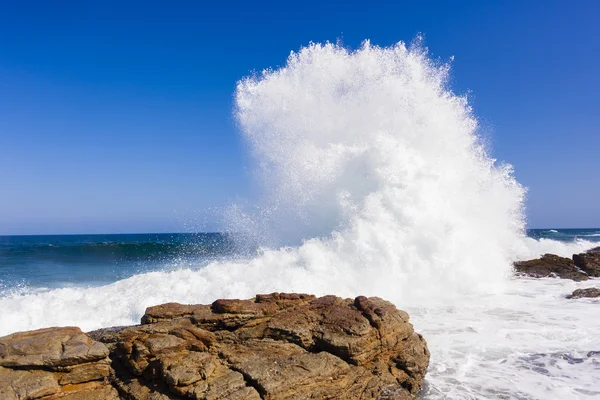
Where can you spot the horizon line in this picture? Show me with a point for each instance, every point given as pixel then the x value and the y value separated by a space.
pixel 196 233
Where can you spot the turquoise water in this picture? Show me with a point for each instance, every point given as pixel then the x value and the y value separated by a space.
pixel 91 260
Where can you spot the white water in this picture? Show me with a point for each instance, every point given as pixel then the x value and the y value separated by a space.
pixel 375 167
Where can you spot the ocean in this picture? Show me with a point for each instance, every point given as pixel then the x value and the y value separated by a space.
pixel 44 262
pixel 55 261
pixel 372 178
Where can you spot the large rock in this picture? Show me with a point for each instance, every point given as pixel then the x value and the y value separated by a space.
pixel 550 265
pixel 588 262
pixel 277 346
pixel 588 292
pixel 54 363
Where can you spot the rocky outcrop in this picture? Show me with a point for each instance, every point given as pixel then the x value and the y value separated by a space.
pixel 54 363
pixel 588 292
pixel 550 265
pixel 588 262
pixel 277 346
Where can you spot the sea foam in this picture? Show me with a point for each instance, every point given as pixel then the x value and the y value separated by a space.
pixel 376 182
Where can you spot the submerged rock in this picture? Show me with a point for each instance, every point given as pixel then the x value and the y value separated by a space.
pixel 550 265
pixel 588 292
pixel 588 262
pixel 277 346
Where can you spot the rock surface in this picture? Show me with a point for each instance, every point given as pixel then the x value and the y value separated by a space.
pixel 54 363
pixel 588 292
pixel 550 265
pixel 277 346
pixel 588 262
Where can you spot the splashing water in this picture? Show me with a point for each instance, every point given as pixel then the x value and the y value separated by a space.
pixel 370 145
pixel 376 182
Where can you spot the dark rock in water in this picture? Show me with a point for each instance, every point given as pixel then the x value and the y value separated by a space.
pixel 588 292
pixel 277 346
pixel 588 262
pixel 550 265
pixel 594 250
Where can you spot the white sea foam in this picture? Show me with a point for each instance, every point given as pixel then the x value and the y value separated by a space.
pixel 375 182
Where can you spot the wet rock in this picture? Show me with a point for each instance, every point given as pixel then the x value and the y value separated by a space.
pixel 588 292
pixel 588 262
pixel 54 363
pixel 550 265
pixel 594 250
pixel 276 346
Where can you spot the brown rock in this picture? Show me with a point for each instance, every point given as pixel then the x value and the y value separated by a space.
pixel 50 348
pixel 170 311
pixel 276 346
pixel 85 373
pixel 550 265
pixel 87 391
pixel 588 262
pixel 21 384
pixel 588 292
pixel 54 363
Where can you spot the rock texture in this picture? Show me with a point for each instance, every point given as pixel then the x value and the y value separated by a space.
pixel 588 292
pixel 550 265
pixel 277 346
pixel 588 262
pixel 54 363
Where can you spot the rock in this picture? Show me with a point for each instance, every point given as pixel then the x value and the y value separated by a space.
pixel 54 363
pixel 588 292
pixel 17 384
pixel 170 311
pixel 588 262
pixel 51 348
pixel 594 250
pixel 276 346
pixel 550 265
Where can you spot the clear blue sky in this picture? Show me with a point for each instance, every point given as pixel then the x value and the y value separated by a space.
pixel 115 116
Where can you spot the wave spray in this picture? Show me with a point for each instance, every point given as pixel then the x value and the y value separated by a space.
pixel 370 159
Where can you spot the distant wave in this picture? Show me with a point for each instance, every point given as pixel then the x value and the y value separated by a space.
pixel 143 251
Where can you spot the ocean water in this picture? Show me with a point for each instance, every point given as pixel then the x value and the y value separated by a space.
pixel 44 262
pixel 55 261
pixel 375 181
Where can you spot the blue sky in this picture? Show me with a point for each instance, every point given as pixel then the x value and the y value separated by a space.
pixel 116 116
